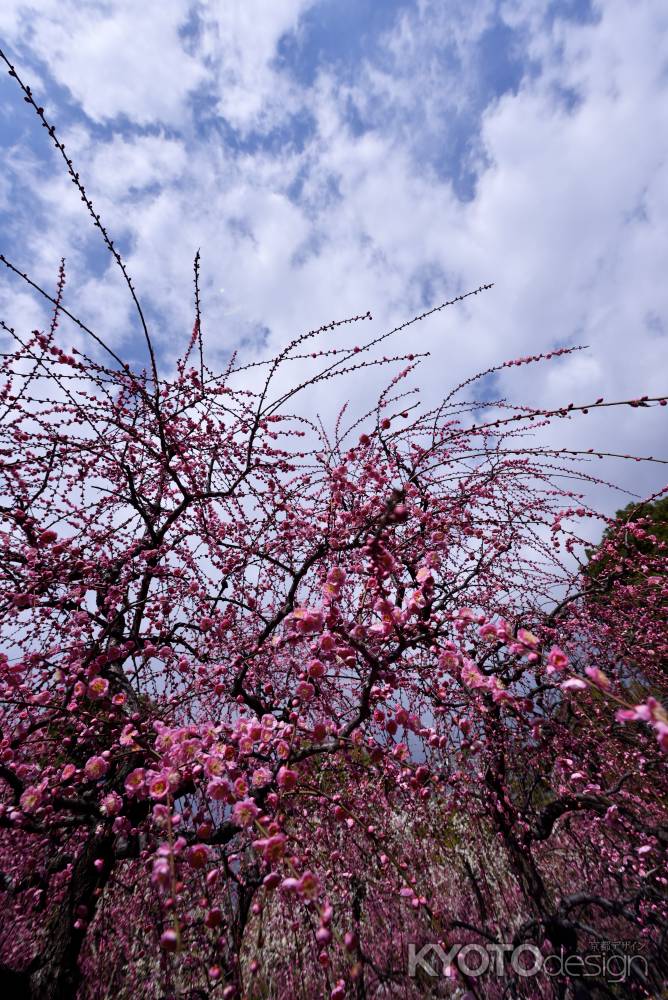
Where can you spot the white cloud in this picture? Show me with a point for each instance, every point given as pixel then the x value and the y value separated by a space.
pixel 144 61
pixel 241 39
pixel 118 58
pixel 122 167
pixel 568 215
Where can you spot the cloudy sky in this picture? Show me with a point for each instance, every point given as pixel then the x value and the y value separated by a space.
pixel 331 157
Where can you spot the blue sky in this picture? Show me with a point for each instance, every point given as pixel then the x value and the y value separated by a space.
pixel 332 156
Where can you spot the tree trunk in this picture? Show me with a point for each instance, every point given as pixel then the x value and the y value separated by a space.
pixel 54 973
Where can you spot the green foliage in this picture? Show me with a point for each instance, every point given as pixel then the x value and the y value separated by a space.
pixel 630 545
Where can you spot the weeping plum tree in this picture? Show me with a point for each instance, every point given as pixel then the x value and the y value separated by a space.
pixel 281 709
